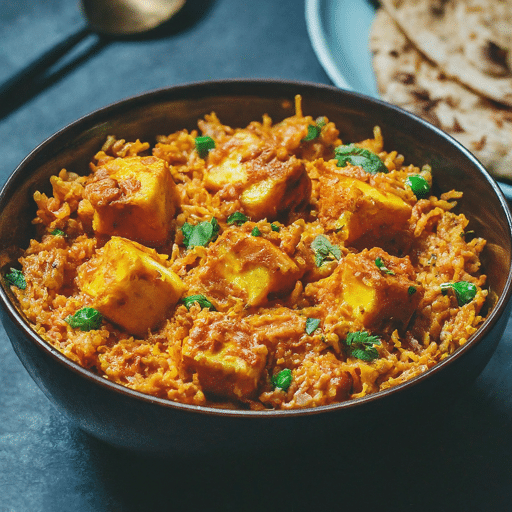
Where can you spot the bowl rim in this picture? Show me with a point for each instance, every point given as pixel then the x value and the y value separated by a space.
pixel 96 116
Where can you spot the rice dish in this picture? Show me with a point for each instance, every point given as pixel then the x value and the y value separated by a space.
pixel 273 266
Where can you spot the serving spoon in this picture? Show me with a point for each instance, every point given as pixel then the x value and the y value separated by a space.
pixel 113 18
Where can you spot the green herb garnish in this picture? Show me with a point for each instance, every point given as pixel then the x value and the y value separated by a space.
pixel 200 299
pixel 16 278
pixel 204 145
pixel 85 319
pixel 283 379
pixel 237 218
pixel 312 325
pixel 57 232
pixel 381 266
pixel 275 227
pixel 419 185
pixel 201 234
pixel 464 291
pixel 324 250
pixel 361 345
pixel 314 130
pixel 354 155
pixel 411 290
pixel 255 231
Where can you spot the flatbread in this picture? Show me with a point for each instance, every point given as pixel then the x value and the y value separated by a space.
pixel 407 79
pixel 469 40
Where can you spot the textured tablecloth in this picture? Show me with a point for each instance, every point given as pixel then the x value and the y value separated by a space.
pixel 462 461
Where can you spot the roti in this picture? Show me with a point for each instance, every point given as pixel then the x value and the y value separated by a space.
pixel 470 41
pixel 407 79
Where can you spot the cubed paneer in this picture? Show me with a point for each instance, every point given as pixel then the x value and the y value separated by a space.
pixel 130 285
pixel 248 267
pixel 379 296
pixel 229 162
pixel 286 188
pixel 355 208
pixel 270 183
pixel 133 197
pixel 226 355
pixel 370 290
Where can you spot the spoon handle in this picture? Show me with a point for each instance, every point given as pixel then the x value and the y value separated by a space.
pixel 22 83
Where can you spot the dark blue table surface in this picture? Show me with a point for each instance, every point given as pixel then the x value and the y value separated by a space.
pixel 462 461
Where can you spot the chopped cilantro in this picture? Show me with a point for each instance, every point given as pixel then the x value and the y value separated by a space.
pixel 361 345
pixel 464 291
pixel 200 234
pixel 16 278
pixel 419 185
pixel 312 325
pixel 57 232
pixel 283 379
pixel 85 319
pixel 255 231
pixel 275 227
pixel 411 290
pixel 324 250
pixel 200 299
pixel 354 155
pixel 204 145
pixel 314 130
pixel 237 218
pixel 380 264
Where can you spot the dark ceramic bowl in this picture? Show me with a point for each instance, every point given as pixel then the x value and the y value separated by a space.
pixel 129 419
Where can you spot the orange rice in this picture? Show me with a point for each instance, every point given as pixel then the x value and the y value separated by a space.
pixel 231 354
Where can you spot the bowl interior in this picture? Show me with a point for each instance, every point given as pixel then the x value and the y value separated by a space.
pixel 237 103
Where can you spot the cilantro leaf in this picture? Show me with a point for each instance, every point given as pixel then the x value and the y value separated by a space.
pixel 354 155
pixel 312 325
pixel 200 299
pixel 255 231
pixel 85 319
pixel 362 346
pixel 200 234
pixel 237 218
pixel 275 227
pixel 324 250
pixel 419 185
pixel 283 379
pixel 314 130
pixel 57 232
pixel 464 291
pixel 16 278
pixel 411 290
pixel 365 354
pixel 204 145
pixel 381 266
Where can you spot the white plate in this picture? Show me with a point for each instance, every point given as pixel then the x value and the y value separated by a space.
pixel 339 31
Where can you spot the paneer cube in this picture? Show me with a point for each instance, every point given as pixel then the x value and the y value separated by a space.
pixel 130 285
pixel 355 208
pixel 226 356
pixel 229 162
pixel 248 267
pixel 377 297
pixel 230 170
pixel 269 186
pixel 133 197
pixel 287 188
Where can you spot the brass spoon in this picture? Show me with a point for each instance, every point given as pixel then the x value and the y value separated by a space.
pixel 104 17
pixel 128 17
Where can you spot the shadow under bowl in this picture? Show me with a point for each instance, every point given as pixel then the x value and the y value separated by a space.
pixel 128 419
